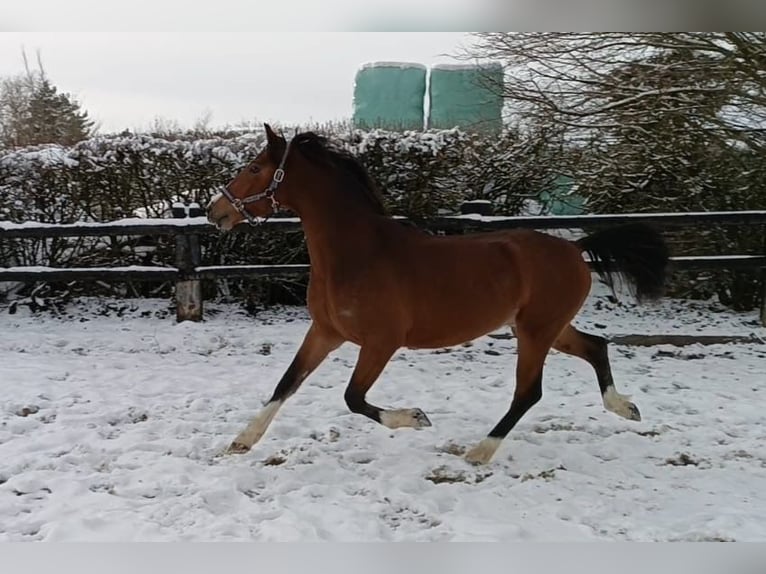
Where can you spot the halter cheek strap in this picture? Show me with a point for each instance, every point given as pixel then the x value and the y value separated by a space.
pixel 277 178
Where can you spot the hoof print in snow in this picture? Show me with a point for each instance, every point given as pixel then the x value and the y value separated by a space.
pixel 649 433
pixel 28 410
pixel 275 460
pixel 556 427
pixel 398 515
pixel 36 494
pixel 102 488
pixel 139 418
pixel 546 475
pixel 453 449
pixel 678 355
pixel 442 475
pixel 625 352
pixel 683 459
pixel 132 417
pixel 332 436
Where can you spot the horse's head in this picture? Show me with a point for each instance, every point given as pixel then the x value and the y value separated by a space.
pixel 257 191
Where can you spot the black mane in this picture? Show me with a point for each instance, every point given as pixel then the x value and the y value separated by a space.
pixel 318 149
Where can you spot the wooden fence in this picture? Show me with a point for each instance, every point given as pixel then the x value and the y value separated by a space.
pixel 187 271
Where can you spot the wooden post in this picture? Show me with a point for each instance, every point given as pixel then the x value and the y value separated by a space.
pixel 763 298
pixel 188 291
pixel 763 283
pixel 476 206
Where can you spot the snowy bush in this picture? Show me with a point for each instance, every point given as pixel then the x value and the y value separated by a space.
pixel 103 179
pixel 419 173
pixel 424 173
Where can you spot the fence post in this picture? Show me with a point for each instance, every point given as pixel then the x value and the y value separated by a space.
pixel 476 206
pixel 763 298
pixel 763 282
pixel 188 291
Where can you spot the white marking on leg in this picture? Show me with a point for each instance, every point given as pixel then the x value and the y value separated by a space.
pixel 398 418
pixel 257 427
pixel 620 404
pixel 482 453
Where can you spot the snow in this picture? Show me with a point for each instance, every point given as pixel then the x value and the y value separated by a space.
pixel 200 221
pixel 125 268
pixel 113 419
pixel 753 216
pixel 46 156
pixel 454 67
pixel 399 65
pixel 126 222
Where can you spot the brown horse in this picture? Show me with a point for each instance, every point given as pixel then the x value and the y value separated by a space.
pixel 384 285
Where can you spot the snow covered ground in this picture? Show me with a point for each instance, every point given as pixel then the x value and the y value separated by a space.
pixel 112 425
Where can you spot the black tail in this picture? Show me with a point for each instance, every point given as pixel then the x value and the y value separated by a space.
pixel 635 252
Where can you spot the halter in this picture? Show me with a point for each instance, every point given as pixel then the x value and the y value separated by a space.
pixel 239 204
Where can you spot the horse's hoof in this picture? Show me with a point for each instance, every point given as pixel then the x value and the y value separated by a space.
pixel 483 452
pixel 476 457
pixel 237 448
pixel 404 418
pixel 620 405
pixel 420 418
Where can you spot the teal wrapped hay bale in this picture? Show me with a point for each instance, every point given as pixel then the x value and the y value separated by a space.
pixel 389 95
pixel 466 96
pixel 561 198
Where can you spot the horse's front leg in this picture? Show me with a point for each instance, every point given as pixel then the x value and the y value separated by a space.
pixel 317 344
pixel 372 359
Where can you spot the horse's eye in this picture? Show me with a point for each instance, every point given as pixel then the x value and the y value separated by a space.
pixel 254 169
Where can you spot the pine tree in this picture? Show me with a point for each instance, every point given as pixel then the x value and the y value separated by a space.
pixel 56 117
pixel 33 112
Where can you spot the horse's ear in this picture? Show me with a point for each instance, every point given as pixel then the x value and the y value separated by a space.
pixel 276 143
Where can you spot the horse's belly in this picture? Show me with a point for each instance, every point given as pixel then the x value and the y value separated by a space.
pixel 457 327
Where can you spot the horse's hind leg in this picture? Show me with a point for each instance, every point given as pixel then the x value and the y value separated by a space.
pixel 315 347
pixel 593 349
pixel 372 360
pixel 532 350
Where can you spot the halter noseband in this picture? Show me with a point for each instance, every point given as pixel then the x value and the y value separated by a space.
pixel 239 204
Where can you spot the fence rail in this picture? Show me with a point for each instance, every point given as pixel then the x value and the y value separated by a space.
pixel 187 272
pixel 200 225
pixel 144 273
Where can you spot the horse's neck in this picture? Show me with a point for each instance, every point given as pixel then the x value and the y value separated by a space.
pixel 338 233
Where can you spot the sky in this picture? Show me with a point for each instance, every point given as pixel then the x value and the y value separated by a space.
pixel 126 79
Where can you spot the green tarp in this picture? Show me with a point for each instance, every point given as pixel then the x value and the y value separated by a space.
pixel 466 96
pixel 389 95
pixel 560 200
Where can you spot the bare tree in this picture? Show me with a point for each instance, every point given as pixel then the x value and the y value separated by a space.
pixel 588 80
pixel 654 120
